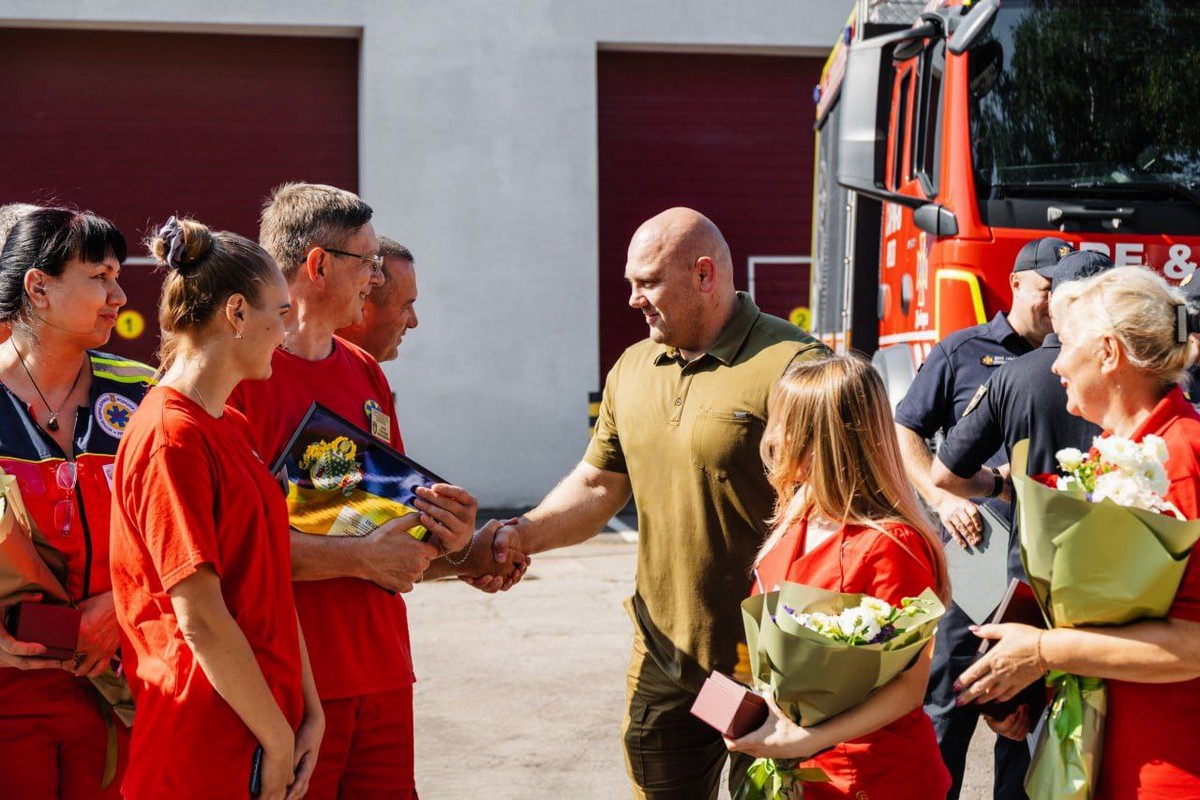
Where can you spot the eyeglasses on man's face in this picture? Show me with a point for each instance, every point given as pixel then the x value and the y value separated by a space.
pixel 376 261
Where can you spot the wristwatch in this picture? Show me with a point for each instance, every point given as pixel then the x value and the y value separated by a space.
pixel 997 483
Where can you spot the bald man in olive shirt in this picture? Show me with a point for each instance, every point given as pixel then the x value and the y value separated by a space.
pixel 679 428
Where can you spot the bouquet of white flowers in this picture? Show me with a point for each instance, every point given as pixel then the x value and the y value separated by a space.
pixel 1131 474
pixel 872 621
pixel 1101 546
pixel 819 653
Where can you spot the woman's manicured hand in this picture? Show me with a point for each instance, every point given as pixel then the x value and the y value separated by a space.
pixel 1010 664
pixel 778 737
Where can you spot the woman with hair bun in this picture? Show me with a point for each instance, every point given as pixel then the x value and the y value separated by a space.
pixel 1125 349
pixel 63 410
pixel 201 558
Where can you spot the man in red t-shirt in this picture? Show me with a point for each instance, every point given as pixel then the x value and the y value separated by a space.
pixel 390 310
pixel 347 589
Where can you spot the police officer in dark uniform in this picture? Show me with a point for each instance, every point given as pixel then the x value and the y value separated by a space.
pixel 1022 400
pixel 943 388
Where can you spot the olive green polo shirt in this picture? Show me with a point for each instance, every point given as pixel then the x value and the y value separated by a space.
pixel 687 434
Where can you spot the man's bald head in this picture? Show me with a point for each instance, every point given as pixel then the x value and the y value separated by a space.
pixel 683 235
pixel 680 275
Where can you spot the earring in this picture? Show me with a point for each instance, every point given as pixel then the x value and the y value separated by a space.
pixel 237 334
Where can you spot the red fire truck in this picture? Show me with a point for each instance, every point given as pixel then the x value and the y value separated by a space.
pixel 950 133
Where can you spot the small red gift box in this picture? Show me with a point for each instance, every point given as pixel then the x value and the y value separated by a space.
pixel 56 627
pixel 729 706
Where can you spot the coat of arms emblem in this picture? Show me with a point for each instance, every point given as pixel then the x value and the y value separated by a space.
pixel 333 466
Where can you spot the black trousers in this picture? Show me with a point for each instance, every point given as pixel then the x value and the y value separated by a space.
pixel 953 652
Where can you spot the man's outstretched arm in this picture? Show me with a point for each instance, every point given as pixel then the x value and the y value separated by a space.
pixel 574 511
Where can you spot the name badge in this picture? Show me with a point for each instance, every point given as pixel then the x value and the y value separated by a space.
pixel 996 361
pixel 381 423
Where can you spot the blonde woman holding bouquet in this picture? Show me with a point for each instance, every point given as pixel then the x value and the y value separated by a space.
pixel 1125 349
pixel 847 520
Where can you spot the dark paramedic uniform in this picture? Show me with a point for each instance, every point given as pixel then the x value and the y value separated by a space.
pixel 1023 400
pixel 53 735
pixel 949 379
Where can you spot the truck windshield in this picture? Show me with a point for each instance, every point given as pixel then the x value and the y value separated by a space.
pixel 1069 96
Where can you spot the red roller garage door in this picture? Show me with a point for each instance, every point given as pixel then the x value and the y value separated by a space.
pixel 729 135
pixel 138 126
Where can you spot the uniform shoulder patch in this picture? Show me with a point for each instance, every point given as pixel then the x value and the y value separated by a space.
pixel 979 394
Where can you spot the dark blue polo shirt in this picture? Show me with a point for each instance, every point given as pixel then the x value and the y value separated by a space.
pixel 950 378
pixel 69 495
pixel 1024 400
pixel 955 369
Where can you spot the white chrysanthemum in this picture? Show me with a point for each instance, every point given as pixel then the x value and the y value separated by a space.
pixel 1069 459
pixel 1155 447
pixel 1120 452
pixel 1124 490
pixel 1154 474
pixel 823 624
pixel 880 608
pixel 858 623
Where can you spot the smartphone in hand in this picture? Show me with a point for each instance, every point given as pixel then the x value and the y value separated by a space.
pixel 256 772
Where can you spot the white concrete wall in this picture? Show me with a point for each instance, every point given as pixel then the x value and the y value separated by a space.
pixel 478 150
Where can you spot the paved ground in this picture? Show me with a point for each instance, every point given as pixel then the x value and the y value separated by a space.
pixel 520 694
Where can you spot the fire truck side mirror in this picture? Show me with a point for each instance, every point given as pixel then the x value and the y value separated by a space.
pixel 936 219
pixel 973 27
pixel 865 105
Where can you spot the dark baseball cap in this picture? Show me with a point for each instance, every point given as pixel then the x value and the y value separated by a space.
pixel 1080 264
pixel 1042 255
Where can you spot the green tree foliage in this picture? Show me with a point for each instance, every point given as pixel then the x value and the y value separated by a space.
pixel 1089 91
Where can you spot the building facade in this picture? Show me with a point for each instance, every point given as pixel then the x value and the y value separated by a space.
pixel 512 146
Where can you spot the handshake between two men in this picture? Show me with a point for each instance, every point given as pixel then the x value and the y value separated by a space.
pixel 490 559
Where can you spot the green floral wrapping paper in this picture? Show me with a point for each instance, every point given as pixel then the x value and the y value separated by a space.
pixel 1089 564
pixel 812 677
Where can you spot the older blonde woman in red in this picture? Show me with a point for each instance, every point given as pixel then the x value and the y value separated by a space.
pixel 1124 353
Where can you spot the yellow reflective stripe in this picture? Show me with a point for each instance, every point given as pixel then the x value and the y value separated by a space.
pixel 145 377
pixel 123 370
pixel 120 362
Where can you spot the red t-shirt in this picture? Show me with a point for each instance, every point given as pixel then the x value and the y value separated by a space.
pixel 1150 732
pixel 900 761
pixel 357 633
pixel 190 490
